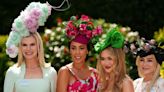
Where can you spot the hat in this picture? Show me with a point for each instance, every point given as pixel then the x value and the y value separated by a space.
pixel 112 38
pixel 145 47
pixel 27 22
pixel 82 30
pixel 157 51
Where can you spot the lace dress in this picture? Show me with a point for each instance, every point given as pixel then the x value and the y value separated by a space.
pixel 140 85
pixel 87 85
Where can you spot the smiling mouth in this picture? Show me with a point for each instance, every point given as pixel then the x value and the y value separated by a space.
pixel 28 53
pixel 107 67
pixel 145 68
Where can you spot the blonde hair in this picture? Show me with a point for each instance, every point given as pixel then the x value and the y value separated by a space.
pixel 118 73
pixel 40 51
pixel 155 76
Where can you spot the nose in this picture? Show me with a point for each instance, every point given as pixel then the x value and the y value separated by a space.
pixel 77 51
pixel 144 63
pixel 28 47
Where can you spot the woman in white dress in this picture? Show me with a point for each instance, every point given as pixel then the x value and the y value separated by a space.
pixel 148 61
pixel 31 73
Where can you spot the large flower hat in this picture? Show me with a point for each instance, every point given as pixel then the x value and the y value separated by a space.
pixel 82 30
pixel 27 22
pixel 144 47
pixel 112 38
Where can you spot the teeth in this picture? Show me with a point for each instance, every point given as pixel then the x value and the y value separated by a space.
pixel 78 57
pixel 28 53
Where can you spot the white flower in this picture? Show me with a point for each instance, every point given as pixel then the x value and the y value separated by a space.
pixel 58 29
pixel 58 54
pixel 48 31
pixel 47 56
pixel 56 49
pixel 50 48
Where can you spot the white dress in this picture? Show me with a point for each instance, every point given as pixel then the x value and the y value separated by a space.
pixel 140 85
pixel 14 79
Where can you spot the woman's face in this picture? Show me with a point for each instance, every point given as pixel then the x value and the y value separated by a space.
pixel 78 52
pixel 29 47
pixel 107 60
pixel 147 65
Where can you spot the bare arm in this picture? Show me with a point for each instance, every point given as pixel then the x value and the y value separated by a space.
pixel 62 80
pixel 128 85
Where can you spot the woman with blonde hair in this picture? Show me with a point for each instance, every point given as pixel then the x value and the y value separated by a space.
pixel 31 73
pixel 111 64
pixel 148 61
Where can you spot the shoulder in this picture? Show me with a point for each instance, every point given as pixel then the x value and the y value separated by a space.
pixel 63 74
pixel 138 80
pixel 127 81
pixel 50 71
pixel 63 70
pixel 13 70
pixel 160 82
pixel 93 70
pixel 127 84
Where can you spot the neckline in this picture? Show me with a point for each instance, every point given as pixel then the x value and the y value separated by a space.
pixel 23 70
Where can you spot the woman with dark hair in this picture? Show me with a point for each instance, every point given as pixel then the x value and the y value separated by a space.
pixel 78 76
pixel 148 61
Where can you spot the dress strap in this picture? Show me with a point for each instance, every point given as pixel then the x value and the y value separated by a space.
pixel 73 74
pixel 94 72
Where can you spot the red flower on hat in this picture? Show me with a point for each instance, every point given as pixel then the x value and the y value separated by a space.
pixel 82 26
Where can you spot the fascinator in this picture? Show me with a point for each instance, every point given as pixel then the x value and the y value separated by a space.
pixel 29 20
pixel 81 30
pixel 147 47
pixel 112 38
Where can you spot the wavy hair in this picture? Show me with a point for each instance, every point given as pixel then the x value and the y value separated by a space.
pixel 118 73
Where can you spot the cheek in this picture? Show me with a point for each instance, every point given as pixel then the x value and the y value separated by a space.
pixel 111 62
pixel 103 63
pixel 153 66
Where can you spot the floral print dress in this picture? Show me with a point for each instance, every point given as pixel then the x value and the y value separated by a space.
pixel 87 85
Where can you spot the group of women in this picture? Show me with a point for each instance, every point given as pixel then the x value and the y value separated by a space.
pixel 32 74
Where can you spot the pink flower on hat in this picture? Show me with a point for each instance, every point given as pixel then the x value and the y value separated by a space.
pixel 31 24
pixel 97 31
pixel 85 18
pixel 83 26
pixel 35 13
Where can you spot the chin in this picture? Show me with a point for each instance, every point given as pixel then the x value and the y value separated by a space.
pixel 30 57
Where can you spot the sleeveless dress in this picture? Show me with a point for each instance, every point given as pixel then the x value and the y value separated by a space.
pixel 87 85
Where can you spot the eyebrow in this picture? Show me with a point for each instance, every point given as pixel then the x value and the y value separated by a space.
pixel 29 43
pixel 78 46
pixel 150 58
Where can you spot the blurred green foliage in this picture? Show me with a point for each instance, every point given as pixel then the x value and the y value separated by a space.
pixel 5 62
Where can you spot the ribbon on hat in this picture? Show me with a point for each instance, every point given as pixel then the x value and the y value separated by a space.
pixel 113 38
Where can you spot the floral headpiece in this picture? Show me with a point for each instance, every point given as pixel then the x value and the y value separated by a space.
pixel 144 48
pixel 82 30
pixel 30 19
pixel 112 38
